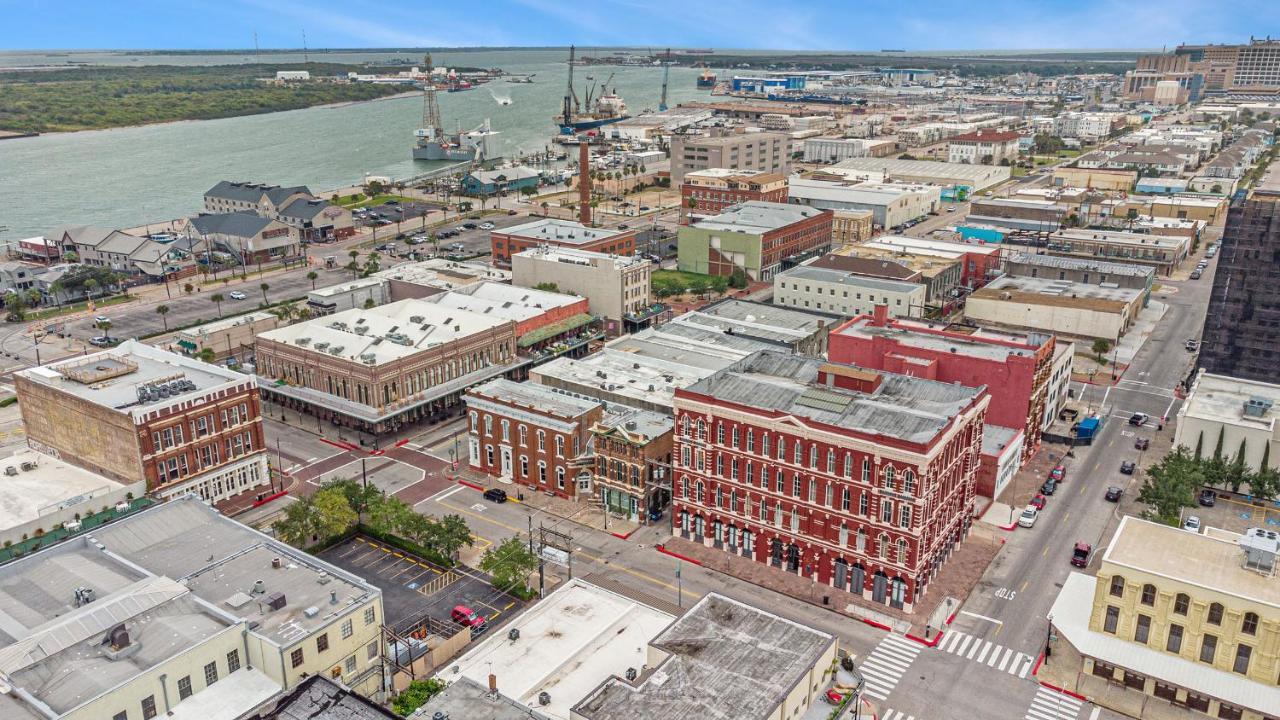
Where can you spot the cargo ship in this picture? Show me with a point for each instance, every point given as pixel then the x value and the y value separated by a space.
pixel 707 80
pixel 595 112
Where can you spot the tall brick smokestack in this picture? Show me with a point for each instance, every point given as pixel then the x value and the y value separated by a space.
pixel 584 183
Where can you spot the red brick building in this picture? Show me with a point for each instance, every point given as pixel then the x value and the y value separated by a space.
pixel 759 238
pixel 531 435
pixel 559 233
pixel 860 480
pixel 138 413
pixel 707 192
pixel 1014 368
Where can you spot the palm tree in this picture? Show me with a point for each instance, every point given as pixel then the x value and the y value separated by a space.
pixel 264 288
pixel 70 256
pixel 354 267
pixel 312 277
pixel 188 288
pixel 162 311
pixel 33 297
pixel 89 286
pixel 56 288
pixel 285 311
pixel 217 299
pixel 105 327
pixel 354 254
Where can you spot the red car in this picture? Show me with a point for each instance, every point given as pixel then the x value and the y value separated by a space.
pixel 464 615
pixel 1058 473
pixel 1038 501
pixel 1081 553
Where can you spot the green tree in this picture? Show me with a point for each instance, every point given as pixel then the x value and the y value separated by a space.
pixel 207 355
pixel 547 286
pixel 70 256
pixel 369 303
pixel 354 267
pixel 509 563
pixel 360 497
pixel 1199 445
pixel 264 287
pixel 163 310
pixel 738 279
pixel 312 276
pixel 389 514
pixel 1100 348
pixel 217 299
pixel 17 306
pixel 416 695
pixel 449 535
pixel 188 288
pixel 1217 448
pixel 335 514
pixel 105 327
pixel 299 523
pixel 90 285
pixel 1171 485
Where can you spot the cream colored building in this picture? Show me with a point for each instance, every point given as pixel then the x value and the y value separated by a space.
pixel 1173 621
pixel 1095 178
pixel 227 337
pixel 1061 307
pixel 202 618
pixel 1240 412
pixel 846 293
pixel 851 226
pixel 722 658
pixel 615 286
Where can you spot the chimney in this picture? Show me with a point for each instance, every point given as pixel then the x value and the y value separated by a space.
pixel 493 679
pixel 584 183
pixel 880 315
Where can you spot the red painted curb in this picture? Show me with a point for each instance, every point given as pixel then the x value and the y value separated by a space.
pixel 1008 528
pixel 927 643
pixel 665 551
pixel 875 624
pixel 1065 691
pixel 952 618
pixel 335 443
pixel 1039 660
pixel 377 453
pixel 403 442
pixel 620 536
pixel 471 485
pixel 269 498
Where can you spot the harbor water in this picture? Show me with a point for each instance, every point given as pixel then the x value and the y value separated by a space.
pixel 130 176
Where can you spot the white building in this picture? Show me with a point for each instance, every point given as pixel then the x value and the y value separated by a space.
pixel 615 286
pixel 1239 412
pixel 984 147
pixel 1060 307
pixel 39 493
pixel 831 150
pixel 846 293
pixel 349 295
pixel 892 203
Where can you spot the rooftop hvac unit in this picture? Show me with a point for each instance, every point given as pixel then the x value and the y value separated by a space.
pixel 259 587
pixel 631 674
pixel 28 466
pixel 275 601
pixel 10 470
pixel 544 698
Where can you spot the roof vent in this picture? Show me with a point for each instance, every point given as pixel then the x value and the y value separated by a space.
pixel 259 587
pixel 1257 406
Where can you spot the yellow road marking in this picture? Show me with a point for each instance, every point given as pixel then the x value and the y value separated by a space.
pixel 1024 585
pixel 1045 553
pixel 478 516
pixel 637 573
pixel 995 634
pixel 1064 517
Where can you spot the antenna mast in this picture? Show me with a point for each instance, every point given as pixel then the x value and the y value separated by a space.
pixel 305 57
pixel 666 70
pixel 431 110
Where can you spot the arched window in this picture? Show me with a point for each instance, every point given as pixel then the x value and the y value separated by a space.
pixel 888 476
pixel 831 462
pixel 1249 625
pixel 883 549
pixel 1215 614
pixel 474 419
pixel 684 426
pixel 684 487
pixel 902 551
pixel 1148 594
pixel 698 499
pixel 909 482
pixel 488 425
pixel 1181 603
pixel 524 435
pixel 1117 586
pixel 702 429
pixel 782 448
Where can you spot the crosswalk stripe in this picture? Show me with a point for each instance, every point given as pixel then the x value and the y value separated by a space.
pixel 977 645
pixel 1036 714
pixel 1055 700
pixel 950 641
pixel 894 671
pixel 964 644
pixel 1026 667
pixel 995 656
pixel 983 655
pixel 1008 655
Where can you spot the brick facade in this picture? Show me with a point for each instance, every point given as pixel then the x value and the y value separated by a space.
pixel 861 512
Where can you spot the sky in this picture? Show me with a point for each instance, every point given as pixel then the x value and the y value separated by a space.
pixel 763 24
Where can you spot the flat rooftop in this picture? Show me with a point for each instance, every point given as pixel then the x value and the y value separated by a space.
pixel 758 320
pixel 439 272
pixel 575 639
pixel 1219 398
pixel 505 302
pixel 829 275
pixel 575 256
pixel 846 192
pixel 115 378
pixel 343 288
pixel 927 263
pixel 50 485
pixel 224 324
pixel 902 407
pixel 725 660
pixel 941 247
pixel 1215 562
pixel 757 217
pixel 982 176
pixel 1062 293
pixel 466 699
pixel 564 232
pixel 983 344
pixel 1073 263
pixel 642 423
pixel 535 397
pixel 1118 238
pixel 220 560
pixel 385 333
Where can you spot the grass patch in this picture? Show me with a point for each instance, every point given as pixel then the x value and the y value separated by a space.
pixel 376 200
pixel 76 307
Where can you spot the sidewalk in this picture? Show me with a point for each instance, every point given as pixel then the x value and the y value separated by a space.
pixel 583 513
pixel 947 592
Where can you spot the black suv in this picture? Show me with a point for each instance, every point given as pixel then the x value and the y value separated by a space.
pixel 1113 494
pixel 1127 467
pixel 497 495
pixel 1208 498
pixel 1048 487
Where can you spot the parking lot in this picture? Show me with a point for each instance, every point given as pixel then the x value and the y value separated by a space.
pixel 1237 515
pixel 412 586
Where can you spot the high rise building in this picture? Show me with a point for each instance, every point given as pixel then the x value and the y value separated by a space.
pixel 1240 335
pixel 1197 69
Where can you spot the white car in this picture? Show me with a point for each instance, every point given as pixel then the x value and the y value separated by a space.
pixel 487 226
pixel 1191 524
pixel 101 319
pixel 1028 516
pixel 236 295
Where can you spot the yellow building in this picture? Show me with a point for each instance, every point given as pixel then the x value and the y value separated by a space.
pixel 1095 178
pixel 1174 620
pixel 851 226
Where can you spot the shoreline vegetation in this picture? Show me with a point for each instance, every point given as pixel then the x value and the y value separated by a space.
pixel 99 98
